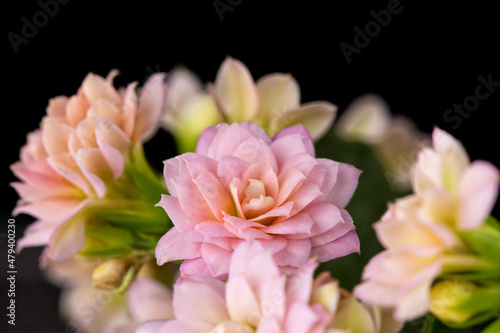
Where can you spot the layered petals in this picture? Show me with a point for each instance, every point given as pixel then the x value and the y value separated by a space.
pixel 242 185
pixel 82 146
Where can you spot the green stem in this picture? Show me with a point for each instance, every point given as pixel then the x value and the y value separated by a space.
pixel 465 263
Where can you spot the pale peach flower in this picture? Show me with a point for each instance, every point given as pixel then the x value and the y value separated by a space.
pixel 273 102
pixel 421 232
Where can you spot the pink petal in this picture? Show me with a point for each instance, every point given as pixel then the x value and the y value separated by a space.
pixel 235 91
pixel 306 194
pixel 176 213
pixel 76 109
pixel 106 109
pixel 207 138
pixel 86 131
pixel 65 165
pixel 95 87
pixel 150 107
pixel 173 246
pixel 163 326
pixel 287 146
pixel 325 216
pixel 297 224
pixel 149 299
pixel 289 182
pixel 55 136
pixel 217 258
pixel 109 132
pixel 230 167
pixel 57 108
pixel 347 244
pixel 264 172
pixel 200 299
pixel 50 209
pixel 255 150
pixel 214 193
pixel 347 181
pixel 69 237
pixel 95 168
pixel 299 284
pixel 36 234
pixel 196 266
pixel 377 292
pixel 302 162
pixel 300 318
pixel 338 229
pixel 414 297
pixel 477 193
pixel 114 157
pixel 129 109
pixel 29 192
pixel 241 301
pixel 294 254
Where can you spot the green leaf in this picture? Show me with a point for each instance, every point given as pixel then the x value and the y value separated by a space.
pixel 105 240
pixel 485 241
pixel 493 328
pixel 433 325
pixel 366 207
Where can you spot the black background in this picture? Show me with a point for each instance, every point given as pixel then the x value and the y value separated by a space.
pixel 426 59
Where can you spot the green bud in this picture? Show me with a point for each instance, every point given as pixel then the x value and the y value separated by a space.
pixel 463 303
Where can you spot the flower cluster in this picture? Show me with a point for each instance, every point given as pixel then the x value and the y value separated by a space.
pixel 433 232
pixel 235 234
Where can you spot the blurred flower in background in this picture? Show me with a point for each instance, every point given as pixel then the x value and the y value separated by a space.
pixel 87 308
pixel 395 139
pixel 273 102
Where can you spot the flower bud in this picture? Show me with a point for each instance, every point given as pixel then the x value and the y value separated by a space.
pixel 109 275
pixel 448 296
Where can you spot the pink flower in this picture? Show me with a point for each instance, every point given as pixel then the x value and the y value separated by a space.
pixel 242 185
pixel 256 298
pixel 420 231
pixel 83 144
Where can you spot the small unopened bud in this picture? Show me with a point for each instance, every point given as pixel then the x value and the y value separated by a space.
pixel 109 275
pixel 448 298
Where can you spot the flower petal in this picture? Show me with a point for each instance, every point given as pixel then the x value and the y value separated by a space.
pixel 277 93
pixel 149 299
pixel 316 117
pixel 150 107
pixel 235 91
pixel 172 246
pixel 477 193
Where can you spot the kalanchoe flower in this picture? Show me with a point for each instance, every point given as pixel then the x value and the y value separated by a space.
pixel 73 167
pixel 256 298
pixel 395 139
pixel 273 102
pixel 422 233
pixel 242 185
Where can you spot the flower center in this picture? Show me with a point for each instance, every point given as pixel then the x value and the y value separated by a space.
pixel 256 202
